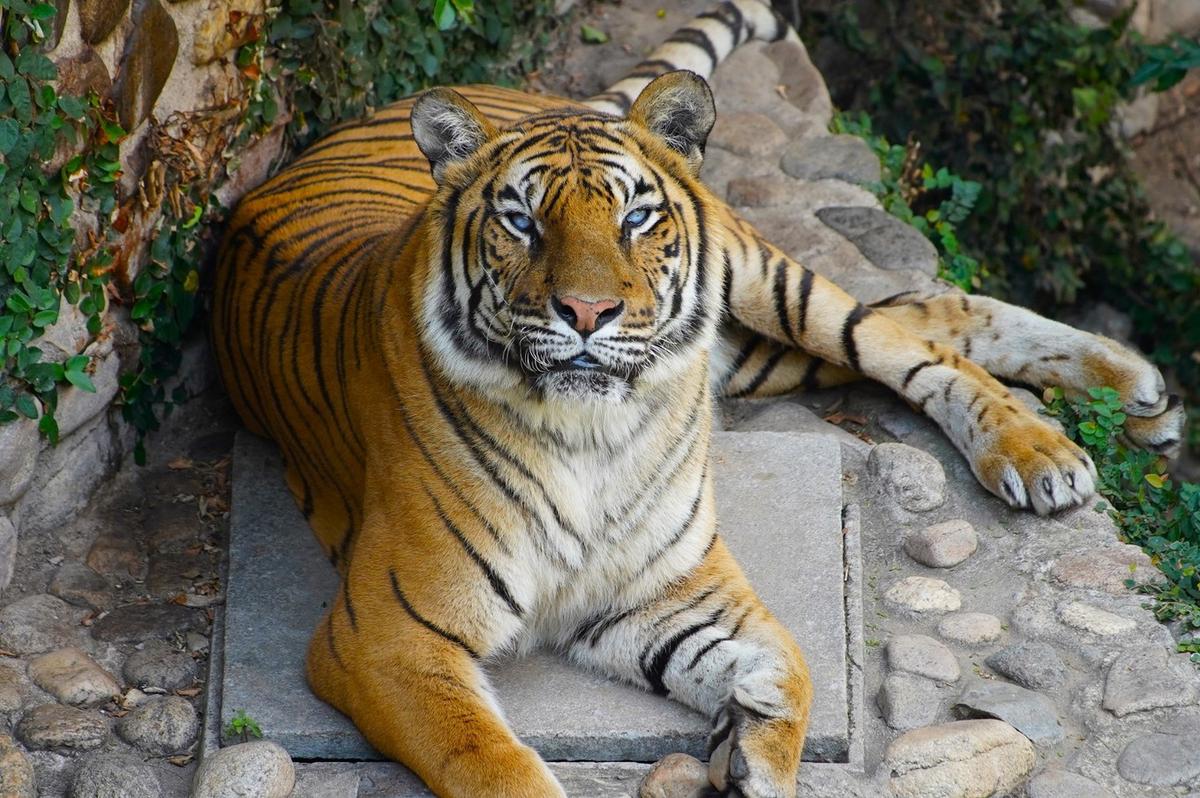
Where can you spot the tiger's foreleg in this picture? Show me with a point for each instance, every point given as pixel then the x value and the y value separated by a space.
pixel 711 644
pixel 409 677
pixel 1012 451
pixel 1019 345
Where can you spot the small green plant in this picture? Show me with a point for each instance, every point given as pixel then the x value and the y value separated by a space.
pixel 1166 64
pixel 1151 509
pixel 932 200
pixel 243 726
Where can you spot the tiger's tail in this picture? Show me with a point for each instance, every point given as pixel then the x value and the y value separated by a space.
pixel 698 46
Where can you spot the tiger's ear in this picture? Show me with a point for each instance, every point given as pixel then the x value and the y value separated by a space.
pixel 678 108
pixel 448 128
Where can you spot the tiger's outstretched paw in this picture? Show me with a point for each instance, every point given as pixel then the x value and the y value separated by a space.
pixel 1161 433
pixel 1031 465
pixel 753 755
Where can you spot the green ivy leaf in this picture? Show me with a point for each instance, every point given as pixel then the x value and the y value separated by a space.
pixel 80 380
pixel 49 427
pixel 25 406
pixel 591 35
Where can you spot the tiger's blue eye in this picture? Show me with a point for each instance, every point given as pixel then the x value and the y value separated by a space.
pixel 634 218
pixel 521 222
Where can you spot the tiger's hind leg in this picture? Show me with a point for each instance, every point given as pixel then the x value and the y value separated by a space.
pixel 710 643
pixel 1020 346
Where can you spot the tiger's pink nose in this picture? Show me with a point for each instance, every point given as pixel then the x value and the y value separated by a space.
pixel 586 317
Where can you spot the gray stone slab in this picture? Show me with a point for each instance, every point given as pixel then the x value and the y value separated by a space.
pixel 779 499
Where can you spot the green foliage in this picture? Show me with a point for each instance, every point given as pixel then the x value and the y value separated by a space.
pixel 1166 64
pixel 1021 100
pixel 242 725
pixel 335 60
pixel 39 270
pixel 1151 509
pixel 943 200
pixel 326 60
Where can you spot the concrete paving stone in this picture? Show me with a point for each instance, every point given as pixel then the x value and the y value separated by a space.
pixel 779 496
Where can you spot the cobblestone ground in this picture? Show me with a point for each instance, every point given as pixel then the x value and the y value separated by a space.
pixel 1004 653
pixel 104 631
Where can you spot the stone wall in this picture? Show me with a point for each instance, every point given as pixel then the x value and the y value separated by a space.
pixel 166 71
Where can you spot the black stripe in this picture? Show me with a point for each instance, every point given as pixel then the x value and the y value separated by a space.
pixel 809 381
pixel 806 286
pixel 696 38
pixel 494 579
pixel 859 313
pixel 781 309
pixel 437 630
pixel 655 670
pixel 762 375
pixel 915 370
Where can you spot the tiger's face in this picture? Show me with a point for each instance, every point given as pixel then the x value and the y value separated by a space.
pixel 572 257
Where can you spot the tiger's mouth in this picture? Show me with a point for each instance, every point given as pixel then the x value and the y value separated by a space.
pixel 582 377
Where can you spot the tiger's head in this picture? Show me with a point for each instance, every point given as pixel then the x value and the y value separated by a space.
pixel 569 252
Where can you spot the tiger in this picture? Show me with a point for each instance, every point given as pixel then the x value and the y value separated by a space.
pixel 487 330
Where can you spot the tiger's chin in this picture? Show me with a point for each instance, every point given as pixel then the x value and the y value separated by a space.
pixel 583 386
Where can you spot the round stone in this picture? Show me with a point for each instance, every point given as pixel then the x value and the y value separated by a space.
pixel 160 665
pixel 161 726
pixel 1105 570
pixel 73 678
pixel 36 623
pixel 1064 784
pixel 1031 664
pixel 54 726
pixel 115 775
pixel 1160 760
pixel 675 776
pixel 1143 679
pixel 971 628
pixel 1087 618
pixel 14 688
pixel 1030 713
pixel 907 701
pixel 748 134
pixel 923 656
pixel 942 545
pixel 838 157
pixel 965 759
pixel 919 594
pixel 260 768
pixel 913 479
pixel 16 773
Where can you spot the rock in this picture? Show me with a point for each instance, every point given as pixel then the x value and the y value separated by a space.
pixel 228 24
pixel 675 776
pixel 1087 618
pixel 134 623
pixel 1030 664
pixel 839 157
pixel 55 726
pixel 921 594
pixel 1028 712
pixel 942 545
pixel 8 551
pixel 763 191
pixel 1160 760
pixel 146 64
pixel 261 768
pixel 73 678
pixel 12 683
pixel 20 443
pixel 748 134
pixel 1105 569
pixel 1063 784
pixel 16 773
pixel 923 656
pixel 35 624
pixel 115 775
pixel 907 701
pixel 971 628
pixel 75 406
pixel 965 759
pixel 97 18
pixel 164 725
pixel 160 665
pixel 883 239
pixel 1143 679
pixel 910 477
pixel 117 555
pixel 1138 117
pixel 77 584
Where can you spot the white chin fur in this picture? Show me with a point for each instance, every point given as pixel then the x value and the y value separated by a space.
pixel 583 386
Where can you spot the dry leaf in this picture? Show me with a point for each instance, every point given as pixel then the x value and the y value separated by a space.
pixel 179 464
pixel 188 692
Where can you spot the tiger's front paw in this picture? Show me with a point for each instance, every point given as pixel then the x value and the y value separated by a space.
pixel 1029 464
pixel 754 755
